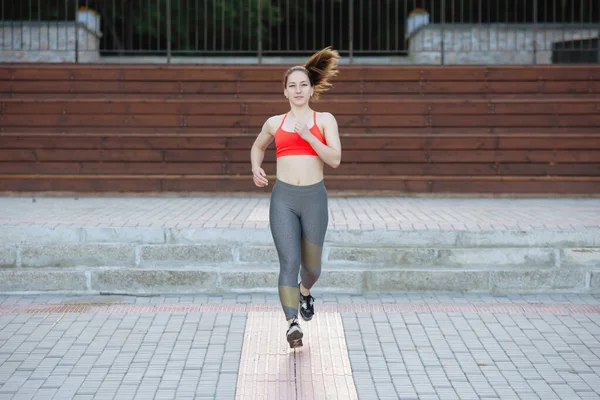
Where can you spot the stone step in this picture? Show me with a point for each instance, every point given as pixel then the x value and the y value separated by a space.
pixel 170 260
pixel 125 280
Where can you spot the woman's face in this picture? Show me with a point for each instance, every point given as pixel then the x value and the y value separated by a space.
pixel 298 89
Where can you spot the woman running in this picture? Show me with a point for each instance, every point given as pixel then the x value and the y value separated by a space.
pixel 305 140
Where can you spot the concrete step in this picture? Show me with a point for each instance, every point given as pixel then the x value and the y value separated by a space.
pixel 226 260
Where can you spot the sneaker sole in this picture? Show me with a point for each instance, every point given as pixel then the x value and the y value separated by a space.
pixel 295 339
pixel 304 318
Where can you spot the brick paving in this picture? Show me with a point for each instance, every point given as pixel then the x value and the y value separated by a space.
pixel 365 213
pixel 270 369
pixel 409 345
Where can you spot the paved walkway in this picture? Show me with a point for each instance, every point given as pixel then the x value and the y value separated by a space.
pixel 385 346
pixel 363 213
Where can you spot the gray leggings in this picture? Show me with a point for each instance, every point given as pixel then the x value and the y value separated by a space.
pixel 298 216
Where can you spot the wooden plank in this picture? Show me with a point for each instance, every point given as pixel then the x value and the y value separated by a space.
pixel 119 107
pixel 82 184
pixel 203 155
pixel 420 156
pixel 267 108
pixel 483 73
pixel 106 121
pixel 401 184
pixel 250 72
pixel 440 121
pixel 253 131
pixel 463 178
pixel 151 73
pixel 523 187
pixel 524 121
pixel 17 155
pixel 28 72
pixel 116 87
pixel 457 169
pixel 275 88
pixel 546 130
pixel 467 142
pixel 120 130
pixel 136 72
pixel 25 71
pixel 441 87
pixel 375 169
pixel 97 155
pixel 84 141
pixel 396 142
pixel 509 156
pixel 276 96
pixel 544 87
pixel 363 142
pixel 160 107
pixel 590 141
pixel 164 87
pixel 214 185
pixel 571 169
pixel 556 107
pixel 133 122
pixel 465 186
pixel 328 178
pixel 114 168
pixel 543 73
pixel 256 121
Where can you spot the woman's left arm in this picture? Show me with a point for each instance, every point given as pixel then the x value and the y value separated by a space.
pixel 330 153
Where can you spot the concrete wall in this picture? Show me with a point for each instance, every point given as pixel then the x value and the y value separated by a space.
pixel 491 44
pixel 48 41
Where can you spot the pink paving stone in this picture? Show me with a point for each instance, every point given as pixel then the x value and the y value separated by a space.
pixel 324 309
pixel 269 366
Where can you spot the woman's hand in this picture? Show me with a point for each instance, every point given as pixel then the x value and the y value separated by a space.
pixel 259 177
pixel 302 129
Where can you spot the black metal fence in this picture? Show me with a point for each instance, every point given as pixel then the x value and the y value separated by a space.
pixel 443 30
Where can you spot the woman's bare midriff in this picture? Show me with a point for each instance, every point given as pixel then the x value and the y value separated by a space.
pixel 300 170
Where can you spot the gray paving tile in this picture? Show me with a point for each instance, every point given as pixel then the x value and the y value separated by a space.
pixel 418 355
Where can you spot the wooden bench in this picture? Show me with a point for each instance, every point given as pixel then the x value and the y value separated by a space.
pixel 132 128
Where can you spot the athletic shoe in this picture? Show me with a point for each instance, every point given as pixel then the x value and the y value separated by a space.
pixel 294 334
pixel 307 307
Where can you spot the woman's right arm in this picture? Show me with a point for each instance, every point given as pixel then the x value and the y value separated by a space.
pixel 257 154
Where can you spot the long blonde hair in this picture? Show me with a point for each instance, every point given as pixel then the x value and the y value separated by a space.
pixel 320 68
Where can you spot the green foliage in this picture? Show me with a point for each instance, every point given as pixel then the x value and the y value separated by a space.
pixel 214 24
pixel 196 25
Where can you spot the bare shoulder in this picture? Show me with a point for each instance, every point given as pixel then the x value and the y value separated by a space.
pixel 272 123
pixel 326 119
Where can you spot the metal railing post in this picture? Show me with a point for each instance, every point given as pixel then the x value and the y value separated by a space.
pixel 77 25
pixel 259 31
pixel 351 33
pixel 535 30
pixel 443 30
pixel 168 31
pixel 76 36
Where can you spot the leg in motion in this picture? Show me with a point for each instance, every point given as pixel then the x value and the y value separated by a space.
pixel 314 222
pixel 285 229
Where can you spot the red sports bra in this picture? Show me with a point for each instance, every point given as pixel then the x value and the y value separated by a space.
pixel 291 144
